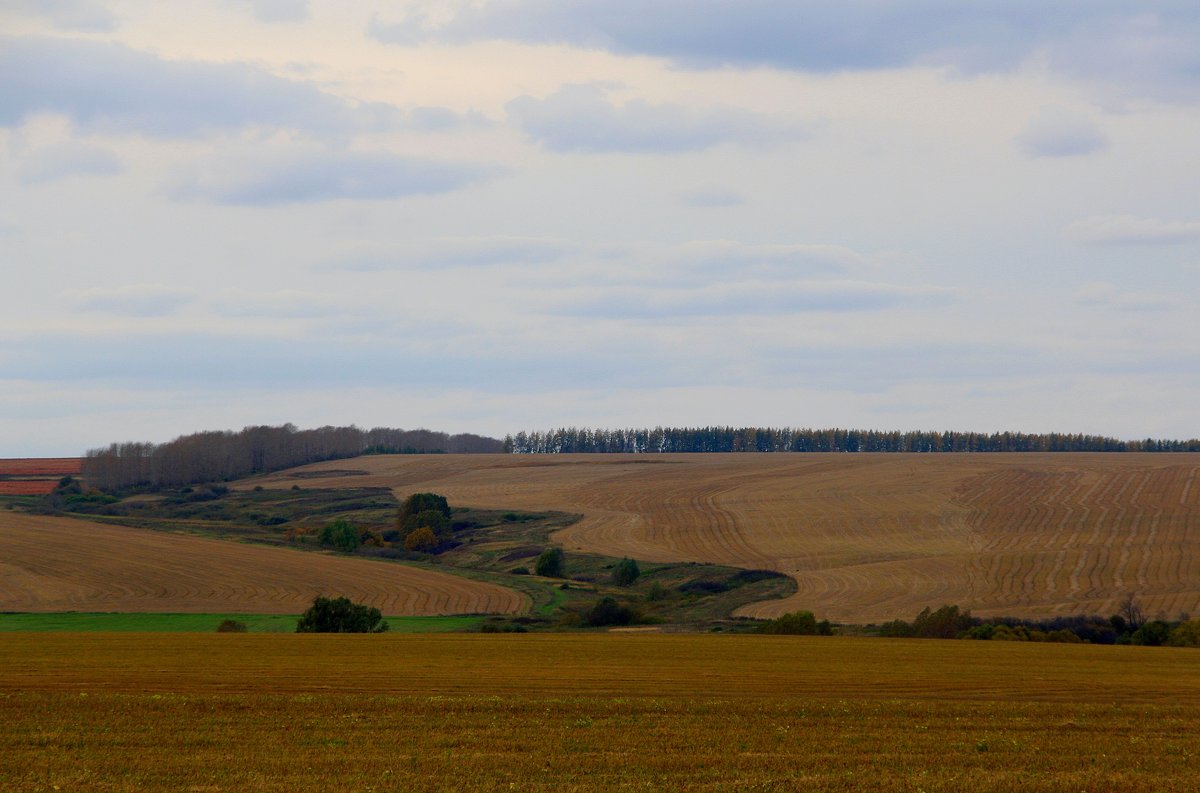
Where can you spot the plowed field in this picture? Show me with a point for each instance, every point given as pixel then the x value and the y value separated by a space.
pixel 33 476
pixel 58 564
pixel 866 537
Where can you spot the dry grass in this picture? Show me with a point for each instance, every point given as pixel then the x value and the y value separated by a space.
pixel 60 564
pixel 866 537
pixel 589 712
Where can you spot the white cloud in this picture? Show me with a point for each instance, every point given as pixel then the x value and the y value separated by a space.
pixel 1130 230
pixel 1099 294
pixel 274 11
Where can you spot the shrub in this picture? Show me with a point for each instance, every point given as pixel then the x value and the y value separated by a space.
pixel 625 572
pixel 422 539
pixel 519 571
pixel 797 623
pixel 340 534
pixel 1152 634
pixel 339 615
pixel 608 611
pixel 1186 634
pixel 656 592
pixel 551 563
pixel 417 504
pixel 945 623
pixel 231 626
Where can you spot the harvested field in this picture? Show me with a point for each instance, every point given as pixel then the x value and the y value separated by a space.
pixel 867 537
pixel 591 712
pixel 35 476
pixel 59 564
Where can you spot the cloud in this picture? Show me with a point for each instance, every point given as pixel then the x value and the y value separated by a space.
pixel 753 298
pixel 274 11
pixel 779 260
pixel 1130 230
pixel 1056 132
pixel 580 118
pixel 1132 47
pixel 712 196
pixel 1107 296
pixel 300 175
pixel 80 15
pixel 139 300
pixel 459 252
pixel 59 161
pixel 112 88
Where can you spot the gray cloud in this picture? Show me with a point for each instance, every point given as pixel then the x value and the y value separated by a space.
pixel 1055 132
pixel 306 174
pixel 712 197
pixel 753 298
pixel 140 300
pixel 59 161
pixel 580 118
pixel 1109 297
pixel 1130 230
pixel 109 87
pixel 81 15
pixel 1126 50
pixel 776 260
pixel 461 252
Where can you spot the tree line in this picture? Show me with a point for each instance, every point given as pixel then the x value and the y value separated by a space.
pixel 223 455
pixel 565 440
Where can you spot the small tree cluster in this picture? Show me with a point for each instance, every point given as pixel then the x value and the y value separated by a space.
pixel 797 623
pixel 945 623
pixel 625 572
pixel 342 535
pixel 551 563
pixel 423 523
pixel 339 615
pixel 608 611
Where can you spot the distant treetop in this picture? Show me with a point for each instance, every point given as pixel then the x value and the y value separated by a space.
pixel 566 440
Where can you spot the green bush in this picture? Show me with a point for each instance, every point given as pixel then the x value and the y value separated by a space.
pixel 231 626
pixel 608 611
pixel 551 563
pixel 339 615
pixel 340 534
pixel 1186 634
pixel 797 623
pixel 625 572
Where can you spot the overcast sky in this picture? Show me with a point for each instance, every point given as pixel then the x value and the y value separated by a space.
pixel 498 215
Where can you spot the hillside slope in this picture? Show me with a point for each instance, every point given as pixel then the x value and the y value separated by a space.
pixel 60 564
pixel 866 537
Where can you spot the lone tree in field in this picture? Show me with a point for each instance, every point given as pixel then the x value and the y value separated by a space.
pixel 551 563
pixel 625 572
pixel 339 615
pixel 341 534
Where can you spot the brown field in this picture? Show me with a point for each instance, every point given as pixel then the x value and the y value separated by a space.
pixel 35 476
pixel 59 564
pixel 867 537
pixel 265 712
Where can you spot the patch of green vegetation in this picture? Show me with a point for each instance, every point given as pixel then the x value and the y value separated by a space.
pixel 205 623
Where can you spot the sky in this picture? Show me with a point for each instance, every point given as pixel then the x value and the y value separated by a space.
pixel 495 215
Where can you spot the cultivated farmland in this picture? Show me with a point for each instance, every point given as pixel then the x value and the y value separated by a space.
pixel 59 564
pixel 591 712
pixel 867 537
pixel 35 476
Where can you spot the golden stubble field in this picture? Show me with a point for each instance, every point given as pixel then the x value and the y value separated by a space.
pixel 867 537
pixel 60 564
pixel 259 712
